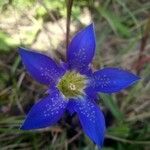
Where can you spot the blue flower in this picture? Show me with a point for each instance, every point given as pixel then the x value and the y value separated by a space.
pixel 73 86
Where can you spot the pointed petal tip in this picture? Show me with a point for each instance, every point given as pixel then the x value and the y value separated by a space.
pixel 118 79
pixel 92 121
pixel 99 147
pixel 135 78
pixel 91 26
pixel 22 51
pixel 134 81
pixel 99 144
pixel 43 113
pixel 81 49
pixel 23 127
pixel 138 78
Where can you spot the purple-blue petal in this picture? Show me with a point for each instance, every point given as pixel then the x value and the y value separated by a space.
pixel 46 112
pixel 82 49
pixel 70 107
pixel 93 95
pixel 41 67
pixel 92 120
pixel 110 80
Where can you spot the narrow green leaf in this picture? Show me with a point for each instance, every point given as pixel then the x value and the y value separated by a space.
pixel 112 106
pixel 115 22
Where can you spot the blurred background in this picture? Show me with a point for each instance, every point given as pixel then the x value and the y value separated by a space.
pixel 123 40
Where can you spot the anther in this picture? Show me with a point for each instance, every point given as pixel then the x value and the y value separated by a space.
pixel 72 87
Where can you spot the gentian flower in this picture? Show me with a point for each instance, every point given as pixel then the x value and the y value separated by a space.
pixel 73 86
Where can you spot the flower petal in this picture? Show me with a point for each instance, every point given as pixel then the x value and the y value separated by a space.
pixel 46 112
pixel 81 49
pixel 41 67
pixel 91 94
pixel 92 120
pixel 70 107
pixel 109 80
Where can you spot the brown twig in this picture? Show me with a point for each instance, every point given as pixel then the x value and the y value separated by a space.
pixel 69 4
pixel 144 39
pixel 74 137
pixel 51 15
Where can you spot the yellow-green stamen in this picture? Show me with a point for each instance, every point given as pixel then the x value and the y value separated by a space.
pixel 72 84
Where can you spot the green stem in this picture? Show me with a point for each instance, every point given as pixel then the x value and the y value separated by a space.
pixel 127 141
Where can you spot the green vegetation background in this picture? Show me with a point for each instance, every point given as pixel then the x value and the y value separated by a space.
pixel 122 30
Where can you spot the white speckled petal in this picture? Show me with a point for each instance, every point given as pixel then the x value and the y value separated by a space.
pixel 46 112
pixel 41 67
pixel 82 49
pixel 110 80
pixel 92 120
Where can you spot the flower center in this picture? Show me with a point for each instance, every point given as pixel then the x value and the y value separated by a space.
pixel 72 84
